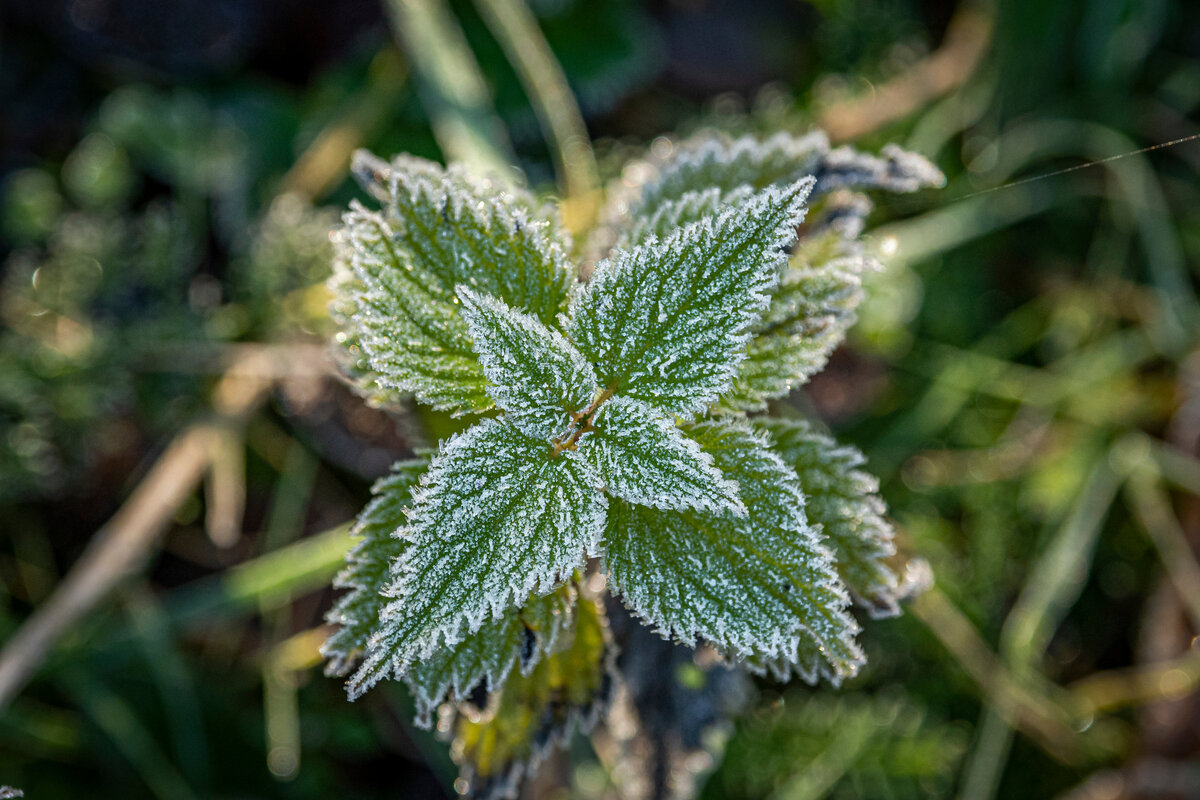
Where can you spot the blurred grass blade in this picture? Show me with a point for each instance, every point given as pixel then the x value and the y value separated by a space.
pixel 453 89
pixel 1029 708
pixel 1153 509
pixel 824 772
pixel 281 708
pixel 1050 590
pixel 326 160
pixel 173 680
pixel 516 28
pixel 269 580
pixel 109 712
pixel 1058 577
pixel 225 489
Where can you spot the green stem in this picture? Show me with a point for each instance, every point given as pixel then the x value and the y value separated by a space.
pixel 268 581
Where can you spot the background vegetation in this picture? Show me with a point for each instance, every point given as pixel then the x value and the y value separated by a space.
pixel 1024 379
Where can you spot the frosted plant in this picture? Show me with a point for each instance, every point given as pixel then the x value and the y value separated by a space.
pixel 607 441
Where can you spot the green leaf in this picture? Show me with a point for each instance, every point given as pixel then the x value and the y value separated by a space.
pixel 711 170
pixel 808 664
pixel 534 373
pixel 520 637
pixel 496 519
pixel 667 322
pixel 844 500
pixel 498 748
pixel 709 161
pixel 674 214
pixel 815 302
pixel 412 335
pixel 368 566
pixel 757 587
pixel 344 290
pixel 810 312
pixel 462 229
pixel 438 229
pixel 643 458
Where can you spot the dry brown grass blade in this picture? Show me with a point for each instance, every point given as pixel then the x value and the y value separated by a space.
pixel 950 66
pixel 118 549
pixel 1133 686
pixel 1031 711
pixel 123 544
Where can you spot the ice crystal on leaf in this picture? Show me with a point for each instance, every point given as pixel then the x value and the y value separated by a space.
pixel 533 373
pixel 711 162
pixel 495 520
pixel 368 566
pixel 666 322
pixel 614 437
pixel 687 208
pixel 518 640
pixel 643 458
pixel 438 230
pixel 755 585
pixel 808 316
pixel 844 501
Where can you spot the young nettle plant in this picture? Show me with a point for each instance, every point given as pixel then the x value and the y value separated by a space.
pixel 617 433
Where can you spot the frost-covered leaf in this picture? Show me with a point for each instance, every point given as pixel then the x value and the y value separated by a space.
pixel 674 214
pixel 412 335
pixel 710 167
pixel 814 303
pixel 893 170
pixel 498 748
pixel 757 586
pixel 844 500
pixel 709 161
pixel 344 289
pixel 462 229
pixel 368 566
pixel 808 317
pixel 843 213
pixel 396 302
pixel 643 458
pixel 495 519
pixel 519 638
pixel 534 373
pixel 666 322
pixel 807 663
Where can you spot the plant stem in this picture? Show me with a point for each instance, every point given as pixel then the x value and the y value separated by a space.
pixel 583 422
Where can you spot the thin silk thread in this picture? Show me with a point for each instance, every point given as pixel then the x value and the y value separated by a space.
pixel 1077 167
